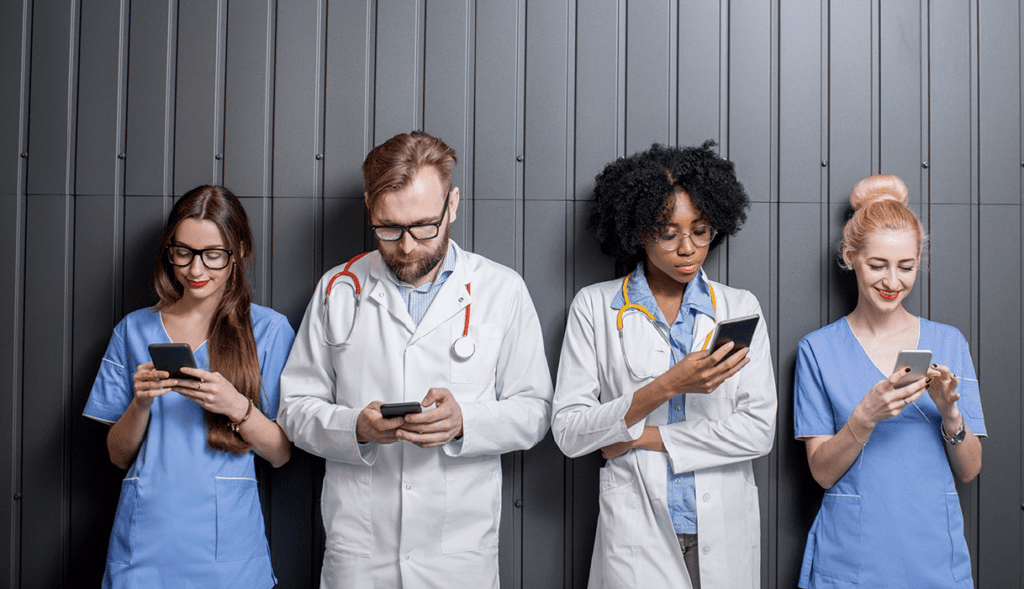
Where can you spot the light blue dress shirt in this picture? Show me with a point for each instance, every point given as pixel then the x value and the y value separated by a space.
pixel 418 298
pixel 682 495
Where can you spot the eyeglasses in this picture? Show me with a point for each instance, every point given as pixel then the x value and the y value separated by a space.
pixel 701 236
pixel 214 258
pixel 420 232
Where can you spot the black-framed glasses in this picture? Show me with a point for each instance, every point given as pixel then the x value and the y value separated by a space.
pixel 420 232
pixel 214 258
pixel 700 236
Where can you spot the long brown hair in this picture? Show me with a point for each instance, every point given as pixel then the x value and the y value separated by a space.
pixel 230 344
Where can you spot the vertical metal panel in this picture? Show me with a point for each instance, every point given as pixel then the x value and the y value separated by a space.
pixel 12 18
pixel 900 37
pixel 801 285
pixel 949 94
pixel 589 264
pixel 50 134
pixel 151 83
pixel 257 268
pixel 700 75
pixel 95 482
pixel 510 526
pixel 98 99
pixel 649 74
pixel 196 139
pixel 398 80
pixel 752 258
pixel 851 99
pixel 497 222
pixel 296 94
pixel 348 135
pixel 12 264
pixel 144 219
pixel 46 403
pixel 600 91
pixel 249 98
pixel 543 492
pixel 750 96
pixel 498 126
pixel 999 367
pixel 548 112
pixel 999 29
pixel 295 494
pixel 801 91
pixel 448 92
pixel 344 231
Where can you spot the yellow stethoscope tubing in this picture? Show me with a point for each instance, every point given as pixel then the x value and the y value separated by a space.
pixel 628 306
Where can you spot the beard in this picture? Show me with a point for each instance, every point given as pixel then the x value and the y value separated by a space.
pixel 415 266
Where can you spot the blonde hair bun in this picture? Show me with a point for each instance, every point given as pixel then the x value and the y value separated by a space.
pixel 877 188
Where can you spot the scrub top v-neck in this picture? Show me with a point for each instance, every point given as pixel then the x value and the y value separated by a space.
pixel 188 515
pixel 894 518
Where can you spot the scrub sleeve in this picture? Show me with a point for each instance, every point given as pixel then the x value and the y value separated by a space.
pixel 188 515
pixel 894 518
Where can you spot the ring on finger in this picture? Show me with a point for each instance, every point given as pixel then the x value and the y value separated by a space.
pixel 906 400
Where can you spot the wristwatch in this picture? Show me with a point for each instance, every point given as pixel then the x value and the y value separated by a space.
pixel 957 437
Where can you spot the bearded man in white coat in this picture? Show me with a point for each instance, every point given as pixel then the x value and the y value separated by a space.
pixel 414 500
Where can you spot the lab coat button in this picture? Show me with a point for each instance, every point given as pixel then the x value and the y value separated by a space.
pixel 707 497
pixel 704 550
pixel 406 557
pixel 678 407
pixel 408 487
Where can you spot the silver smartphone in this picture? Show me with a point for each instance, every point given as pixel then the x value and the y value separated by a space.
pixel 917 360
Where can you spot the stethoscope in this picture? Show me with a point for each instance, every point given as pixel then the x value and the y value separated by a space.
pixel 628 306
pixel 463 348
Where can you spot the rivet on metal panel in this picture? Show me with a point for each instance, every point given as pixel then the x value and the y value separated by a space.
pixel 17 496
pixel 824 163
pixel 24 154
pixel 519 158
pixel 319 156
pixel 121 156
pixel 219 156
pixel 924 164
pixel 519 502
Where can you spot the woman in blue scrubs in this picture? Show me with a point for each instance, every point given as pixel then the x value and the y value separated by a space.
pixel 189 513
pixel 886 456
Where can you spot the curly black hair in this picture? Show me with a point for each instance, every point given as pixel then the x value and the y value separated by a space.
pixel 632 196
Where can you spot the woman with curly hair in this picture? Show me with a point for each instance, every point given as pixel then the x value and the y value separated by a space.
pixel 678 425
pixel 189 512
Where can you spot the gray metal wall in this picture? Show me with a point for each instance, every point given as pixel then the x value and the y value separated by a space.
pixel 109 109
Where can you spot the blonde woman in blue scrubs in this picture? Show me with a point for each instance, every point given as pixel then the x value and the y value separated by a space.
pixel 886 456
pixel 189 513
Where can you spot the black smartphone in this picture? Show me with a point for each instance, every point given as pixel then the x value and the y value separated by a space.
pixel 171 358
pixel 740 331
pixel 397 409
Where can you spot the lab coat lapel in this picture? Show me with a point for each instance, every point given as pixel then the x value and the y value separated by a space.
pixel 385 293
pixel 452 299
pixel 704 325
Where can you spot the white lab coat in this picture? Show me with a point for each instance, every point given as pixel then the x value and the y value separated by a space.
pixel 636 545
pixel 397 514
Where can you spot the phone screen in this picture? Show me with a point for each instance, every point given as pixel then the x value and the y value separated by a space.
pixel 171 358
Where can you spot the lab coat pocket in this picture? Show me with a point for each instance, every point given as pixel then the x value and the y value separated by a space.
pixel 619 503
pixel 961 558
pixel 346 501
pixel 472 497
pixel 837 554
pixel 478 368
pixel 240 534
pixel 122 536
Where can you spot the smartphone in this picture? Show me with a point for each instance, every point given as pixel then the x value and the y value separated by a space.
pixel 172 357
pixel 739 331
pixel 397 409
pixel 917 360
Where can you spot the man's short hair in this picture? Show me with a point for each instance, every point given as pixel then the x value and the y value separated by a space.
pixel 392 165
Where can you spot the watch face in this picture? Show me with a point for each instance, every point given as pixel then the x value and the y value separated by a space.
pixel 957 437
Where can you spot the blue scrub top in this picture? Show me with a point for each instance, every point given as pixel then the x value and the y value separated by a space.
pixel 189 515
pixel 894 518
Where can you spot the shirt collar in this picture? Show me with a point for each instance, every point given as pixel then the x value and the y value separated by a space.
pixel 697 295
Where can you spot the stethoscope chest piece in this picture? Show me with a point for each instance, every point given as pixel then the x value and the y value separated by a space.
pixel 464 347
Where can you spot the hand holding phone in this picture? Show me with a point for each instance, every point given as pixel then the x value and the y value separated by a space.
pixel 917 360
pixel 740 331
pixel 399 409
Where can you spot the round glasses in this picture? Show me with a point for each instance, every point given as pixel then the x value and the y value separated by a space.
pixel 213 258
pixel 700 236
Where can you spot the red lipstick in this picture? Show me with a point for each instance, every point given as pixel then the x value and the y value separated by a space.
pixel 889 297
pixel 198 284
